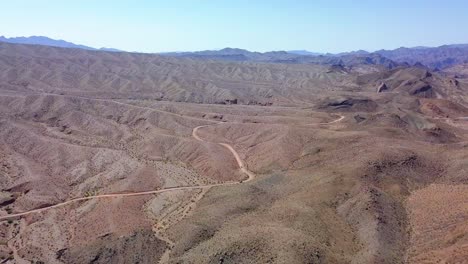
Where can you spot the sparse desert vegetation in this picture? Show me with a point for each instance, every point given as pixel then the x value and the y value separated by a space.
pixel 120 157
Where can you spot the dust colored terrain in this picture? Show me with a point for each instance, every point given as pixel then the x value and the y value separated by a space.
pixel 112 157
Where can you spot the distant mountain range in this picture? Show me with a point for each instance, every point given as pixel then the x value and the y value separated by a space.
pixel 434 58
pixel 431 57
pixel 40 40
pixel 343 59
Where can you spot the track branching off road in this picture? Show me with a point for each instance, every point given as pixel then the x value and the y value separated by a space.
pixel 250 176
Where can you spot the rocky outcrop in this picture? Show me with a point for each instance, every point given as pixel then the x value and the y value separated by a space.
pixel 382 88
pixel 337 68
pixel 350 104
pixel 422 90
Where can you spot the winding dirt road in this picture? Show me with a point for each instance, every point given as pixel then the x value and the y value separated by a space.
pixel 240 163
pixel 112 195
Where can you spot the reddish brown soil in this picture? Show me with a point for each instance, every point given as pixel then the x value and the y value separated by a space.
pixel 384 183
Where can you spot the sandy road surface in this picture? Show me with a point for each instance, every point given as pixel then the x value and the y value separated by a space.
pixel 341 117
pixel 240 163
pixel 195 135
pixel 112 195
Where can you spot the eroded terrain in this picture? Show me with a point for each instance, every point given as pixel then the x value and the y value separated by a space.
pixel 317 164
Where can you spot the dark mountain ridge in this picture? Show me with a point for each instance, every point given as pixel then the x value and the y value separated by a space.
pixel 441 57
pixel 45 41
pixel 435 58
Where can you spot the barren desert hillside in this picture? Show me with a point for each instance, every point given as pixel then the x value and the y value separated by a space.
pixel 113 157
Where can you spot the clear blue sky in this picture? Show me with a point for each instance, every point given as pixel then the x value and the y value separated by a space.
pixel 182 25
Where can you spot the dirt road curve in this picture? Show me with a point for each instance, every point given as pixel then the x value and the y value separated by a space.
pixel 240 163
pixel 341 117
pixel 113 195
pixel 195 135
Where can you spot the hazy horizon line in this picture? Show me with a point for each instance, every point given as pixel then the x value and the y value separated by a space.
pixel 226 47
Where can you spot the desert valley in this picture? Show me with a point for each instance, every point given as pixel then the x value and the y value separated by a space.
pixel 233 156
